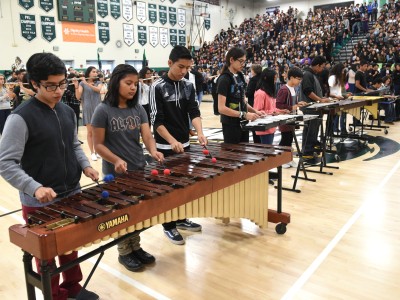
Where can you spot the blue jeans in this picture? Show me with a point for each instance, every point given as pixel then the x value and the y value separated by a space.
pixel 267 138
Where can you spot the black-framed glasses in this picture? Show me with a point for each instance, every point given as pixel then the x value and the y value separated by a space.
pixel 51 88
pixel 242 61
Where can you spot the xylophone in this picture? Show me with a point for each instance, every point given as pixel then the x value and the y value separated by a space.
pixel 234 184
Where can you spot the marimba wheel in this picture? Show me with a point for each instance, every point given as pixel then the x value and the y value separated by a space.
pixel 280 228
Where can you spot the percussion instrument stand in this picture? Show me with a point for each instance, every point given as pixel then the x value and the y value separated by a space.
pixel 43 281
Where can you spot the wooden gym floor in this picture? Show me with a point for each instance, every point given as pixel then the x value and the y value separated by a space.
pixel 343 242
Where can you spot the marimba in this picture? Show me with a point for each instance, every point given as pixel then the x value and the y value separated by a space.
pixel 234 186
pixel 270 121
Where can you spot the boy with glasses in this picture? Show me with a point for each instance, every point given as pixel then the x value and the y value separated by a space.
pixel 40 155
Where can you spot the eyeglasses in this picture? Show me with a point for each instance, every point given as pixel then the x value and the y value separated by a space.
pixel 242 61
pixel 51 88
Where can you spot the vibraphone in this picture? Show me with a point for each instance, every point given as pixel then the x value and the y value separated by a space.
pixel 234 186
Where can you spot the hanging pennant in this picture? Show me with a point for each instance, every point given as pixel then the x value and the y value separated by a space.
pixel 173 38
pixel 115 9
pixel 181 17
pixel 142 35
pixel 162 11
pixel 127 10
pixel 27 4
pixel 104 32
pixel 207 23
pixel 102 8
pixel 129 37
pixel 182 37
pixel 152 13
pixel 141 14
pixel 28 26
pixel 46 5
pixel 48 28
pixel 153 34
pixel 164 36
pixel 172 15
pixel 172 1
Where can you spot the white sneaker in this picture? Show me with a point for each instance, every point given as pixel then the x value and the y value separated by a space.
pixel 98 156
pixel 93 156
pixel 286 166
pixel 293 164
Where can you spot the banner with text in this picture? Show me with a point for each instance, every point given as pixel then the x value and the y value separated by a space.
pixel 141 11
pixel 152 13
pixel 102 8
pixel 172 15
pixel 162 12
pixel 142 35
pixel 27 4
pixel 129 37
pixel 115 9
pixel 181 17
pixel 78 32
pixel 207 23
pixel 48 28
pixel 46 5
pixel 127 10
pixel 164 36
pixel 153 35
pixel 28 26
pixel 173 38
pixel 104 32
pixel 182 37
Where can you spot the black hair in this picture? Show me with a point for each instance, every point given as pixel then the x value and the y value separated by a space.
pixel 143 71
pixel 256 69
pixel 267 82
pixel 318 60
pixel 377 80
pixel 337 71
pixel 41 65
pixel 112 95
pixel 88 70
pixel 234 53
pixel 179 52
pixel 295 72
pixel 363 62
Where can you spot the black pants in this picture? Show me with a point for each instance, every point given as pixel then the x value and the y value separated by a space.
pixel 172 224
pixel 286 139
pixel 4 113
pixel 147 109
pixel 310 135
pixel 77 111
pixel 233 133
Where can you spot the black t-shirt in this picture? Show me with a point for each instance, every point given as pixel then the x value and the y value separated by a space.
pixel 362 78
pixel 233 88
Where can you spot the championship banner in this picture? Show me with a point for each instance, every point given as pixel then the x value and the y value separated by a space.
pixel 46 5
pixel 27 4
pixel 142 35
pixel 152 13
pixel 104 32
pixel 102 8
pixel 115 9
pixel 28 26
pixel 207 23
pixel 172 15
pixel 182 17
pixel 164 36
pixel 173 38
pixel 127 10
pixel 172 1
pixel 162 12
pixel 182 37
pixel 129 37
pixel 153 34
pixel 141 11
pixel 78 32
pixel 48 28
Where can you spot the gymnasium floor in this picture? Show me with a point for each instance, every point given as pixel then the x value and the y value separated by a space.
pixel 342 242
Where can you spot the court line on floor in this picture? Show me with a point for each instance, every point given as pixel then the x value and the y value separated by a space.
pixel 332 244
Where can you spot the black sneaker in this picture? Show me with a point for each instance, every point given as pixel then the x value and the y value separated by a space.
pixel 174 236
pixel 188 225
pixel 84 294
pixel 143 256
pixel 130 262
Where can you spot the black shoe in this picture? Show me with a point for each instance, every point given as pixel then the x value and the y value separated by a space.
pixel 84 294
pixel 271 182
pixel 174 236
pixel 130 262
pixel 144 257
pixel 188 225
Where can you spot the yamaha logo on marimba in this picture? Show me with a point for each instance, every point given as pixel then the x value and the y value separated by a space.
pixel 112 223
